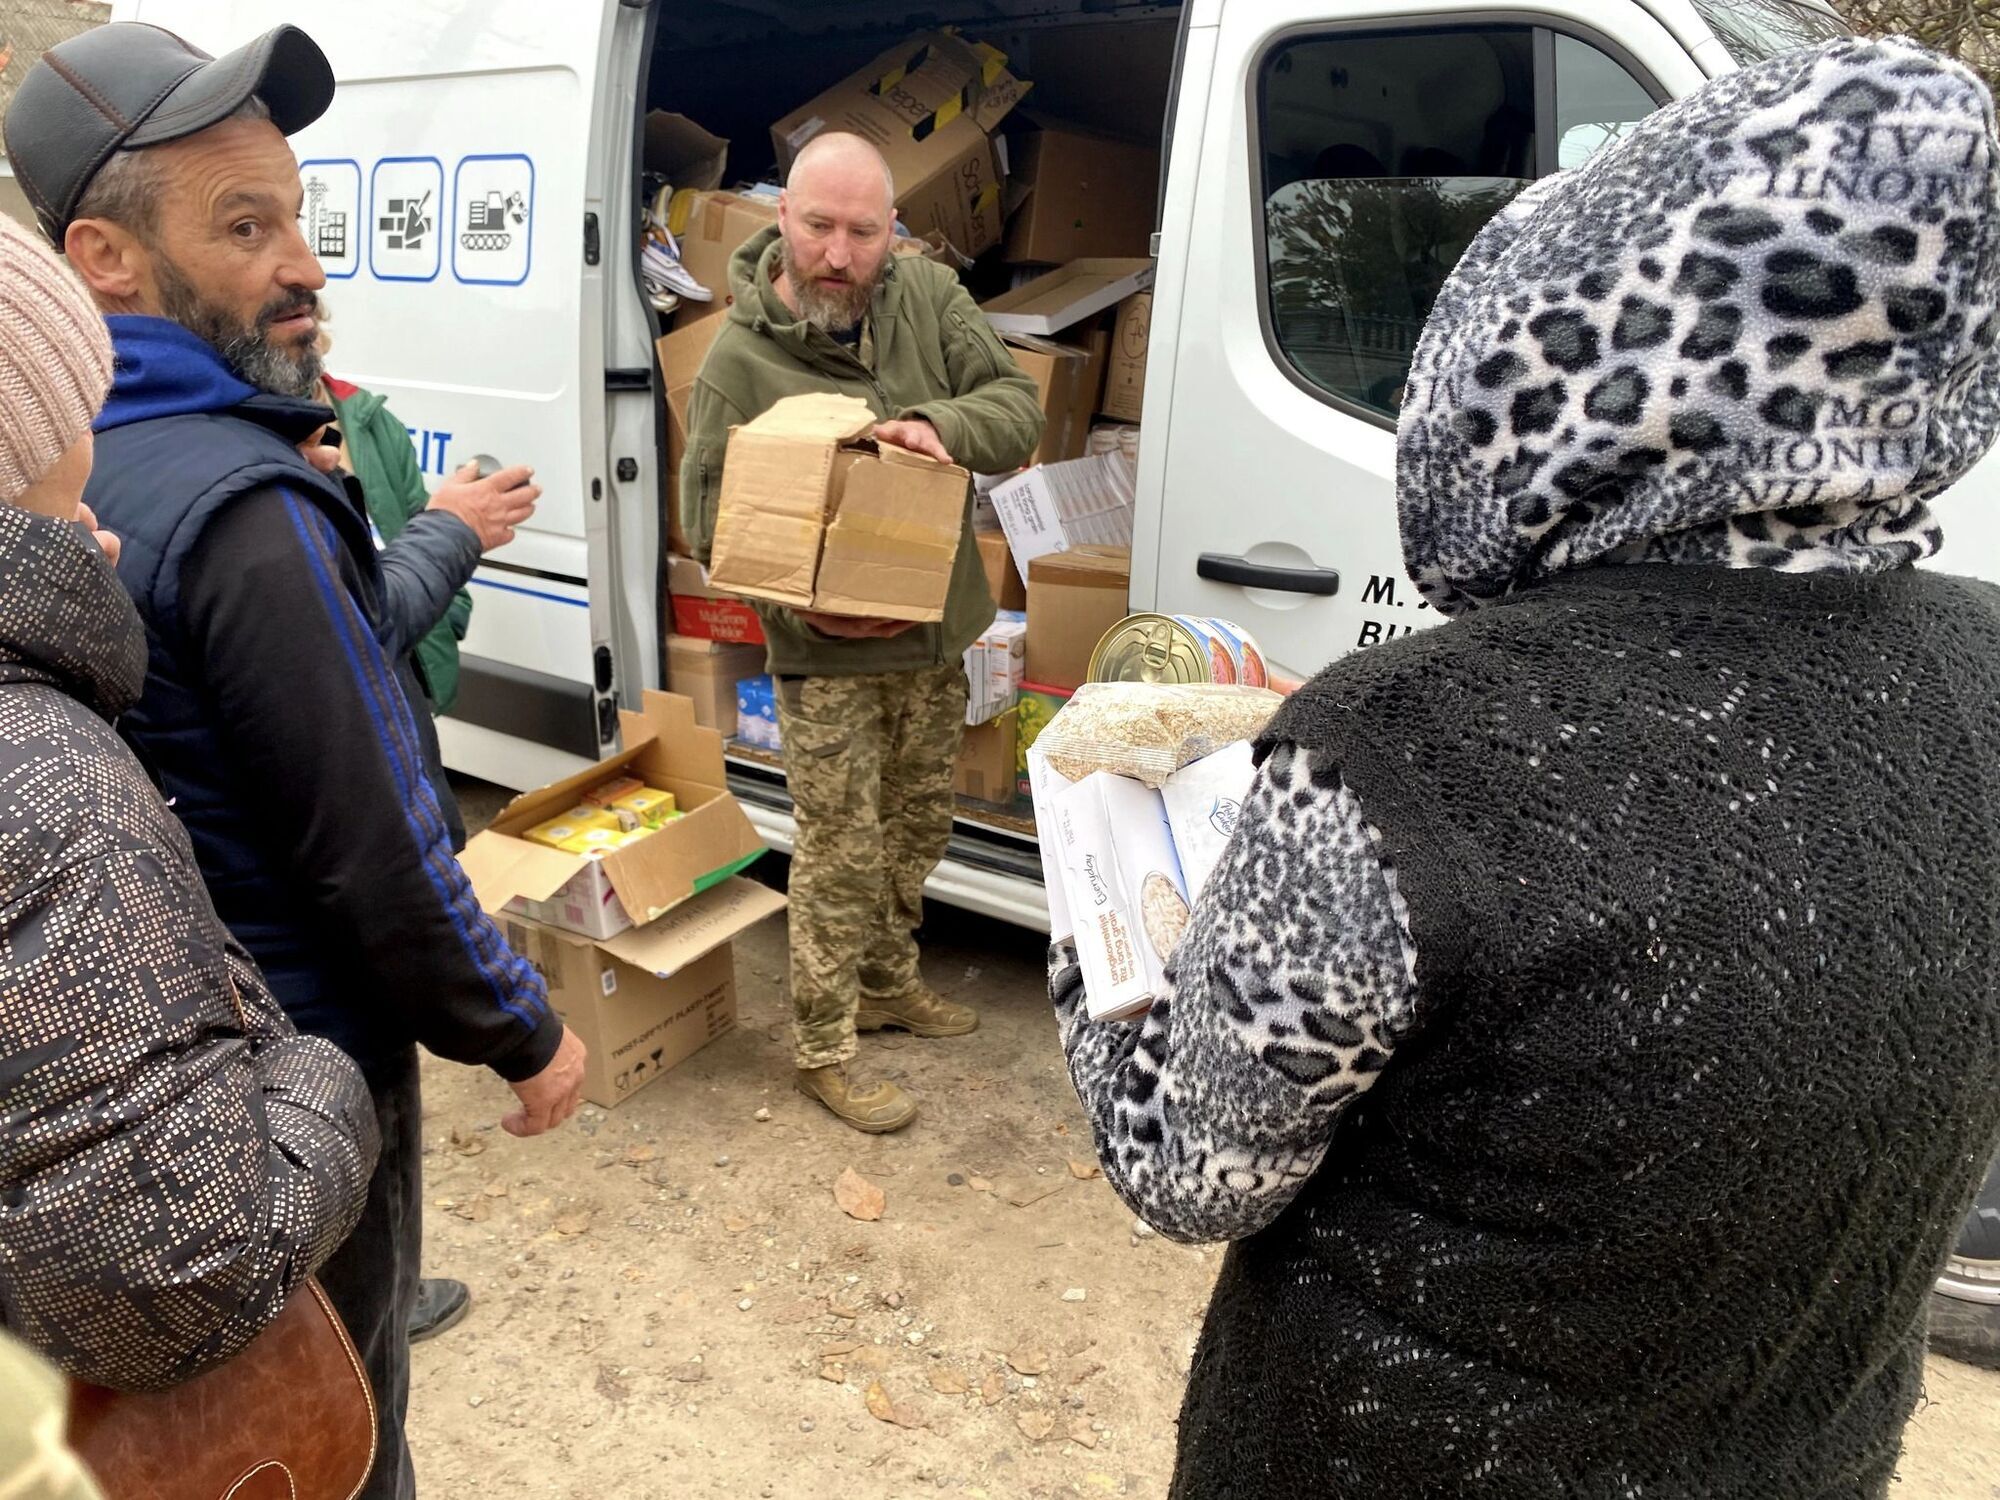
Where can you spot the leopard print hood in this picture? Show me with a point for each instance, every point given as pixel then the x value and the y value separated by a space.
pixel 1757 332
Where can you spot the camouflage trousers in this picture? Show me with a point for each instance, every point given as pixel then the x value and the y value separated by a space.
pixel 870 762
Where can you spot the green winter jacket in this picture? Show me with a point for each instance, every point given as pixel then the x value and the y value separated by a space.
pixel 935 358
pixel 385 461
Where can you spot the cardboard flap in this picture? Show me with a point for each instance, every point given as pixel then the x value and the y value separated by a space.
pixel 820 417
pixel 889 453
pixel 502 868
pixel 649 882
pixel 772 511
pixel 669 718
pixel 696 928
pixel 684 153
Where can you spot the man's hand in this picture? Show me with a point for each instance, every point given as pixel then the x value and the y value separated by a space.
pixel 318 454
pixel 492 506
pixel 552 1095
pixel 107 541
pixel 917 435
pixel 854 628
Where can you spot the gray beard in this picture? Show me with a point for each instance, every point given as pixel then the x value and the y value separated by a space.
pixel 280 369
pixel 829 312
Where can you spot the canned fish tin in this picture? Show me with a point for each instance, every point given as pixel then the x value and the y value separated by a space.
pixel 1250 668
pixel 1177 649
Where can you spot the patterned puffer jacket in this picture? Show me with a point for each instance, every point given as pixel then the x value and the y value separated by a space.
pixel 174 1159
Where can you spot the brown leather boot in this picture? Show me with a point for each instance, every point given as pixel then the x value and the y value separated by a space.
pixel 921 1013
pixel 872 1108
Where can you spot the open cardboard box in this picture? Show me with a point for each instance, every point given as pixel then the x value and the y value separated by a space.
pixel 601 896
pixel 815 515
pixel 653 996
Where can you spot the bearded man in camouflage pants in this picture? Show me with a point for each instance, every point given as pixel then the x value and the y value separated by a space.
pixel 871 711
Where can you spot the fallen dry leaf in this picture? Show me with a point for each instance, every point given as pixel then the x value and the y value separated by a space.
pixel 979 1184
pixel 835 1350
pixel 467 1145
pixel 833 1370
pixel 842 1309
pixel 1035 1425
pixel 1077 1371
pixel 948 1382
pixel 859 1197
pixel 610 1386
pixel 1029 1361
pixel 1082 1433
pixel 478 1210
pixel 572 1225
pixel 1083 1171
pixel 882 1409
pixel 688 1374
pixel 496 1190
pixel 993 1389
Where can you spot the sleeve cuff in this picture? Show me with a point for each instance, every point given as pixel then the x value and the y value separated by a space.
pixel 533 1055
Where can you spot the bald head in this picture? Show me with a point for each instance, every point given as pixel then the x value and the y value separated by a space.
pixel 835 162
pixel 838 217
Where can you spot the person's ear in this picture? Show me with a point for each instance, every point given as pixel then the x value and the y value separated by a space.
pixel 109 258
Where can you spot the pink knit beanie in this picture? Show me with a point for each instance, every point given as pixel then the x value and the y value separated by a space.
pixel 55 360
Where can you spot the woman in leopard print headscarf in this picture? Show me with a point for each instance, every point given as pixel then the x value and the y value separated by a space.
pixel 1588 1039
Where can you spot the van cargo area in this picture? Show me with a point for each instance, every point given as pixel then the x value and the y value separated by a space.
pixel 1075 167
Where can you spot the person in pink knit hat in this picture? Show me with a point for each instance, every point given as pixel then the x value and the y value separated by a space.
pixel 175 1160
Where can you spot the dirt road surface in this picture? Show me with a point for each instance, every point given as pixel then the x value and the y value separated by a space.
pixel 669 1300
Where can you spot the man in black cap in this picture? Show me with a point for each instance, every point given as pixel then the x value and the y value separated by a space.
pixel 273 715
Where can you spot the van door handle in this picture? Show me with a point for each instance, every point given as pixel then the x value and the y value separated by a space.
pixel 1219 567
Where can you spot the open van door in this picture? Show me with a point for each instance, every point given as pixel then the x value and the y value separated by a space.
pixel 1331 159
pixel 448 199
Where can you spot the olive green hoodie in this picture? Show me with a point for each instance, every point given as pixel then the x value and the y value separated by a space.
pixel 935 357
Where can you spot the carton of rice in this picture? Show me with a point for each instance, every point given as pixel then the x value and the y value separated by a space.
pixel 1122 887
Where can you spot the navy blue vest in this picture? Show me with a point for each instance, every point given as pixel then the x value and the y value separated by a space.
pixel 157 483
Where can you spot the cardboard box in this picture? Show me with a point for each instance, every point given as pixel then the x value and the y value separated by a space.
pixel 1067 295
pixel 1122 883
pixel 1037 706
pixel 706 674
pixel 1054 507
pixel 1203 801
pixel 1074 597
pixel 711 227
pixel 702 611
pixel 1043 783
pixel 928 105
pixel 1003 579
pixel 681 355
pixel 816 516
pixel 601 896
pixel 994 665
pixel 1125 380
pixel 653 997
pixel 1070 378
pixel 1081 196
pixel 683 152
pixel 986 762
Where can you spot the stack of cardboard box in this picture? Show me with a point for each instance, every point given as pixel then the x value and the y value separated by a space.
pixel 635 944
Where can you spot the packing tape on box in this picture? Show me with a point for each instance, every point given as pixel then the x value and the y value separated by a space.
pixel 984 62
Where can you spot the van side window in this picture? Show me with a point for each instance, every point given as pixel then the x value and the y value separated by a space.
pixel 1384 154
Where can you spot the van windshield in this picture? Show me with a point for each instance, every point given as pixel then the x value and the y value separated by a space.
pixel 1753 30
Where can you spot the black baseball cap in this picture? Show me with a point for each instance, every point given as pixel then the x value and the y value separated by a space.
pixel 126 84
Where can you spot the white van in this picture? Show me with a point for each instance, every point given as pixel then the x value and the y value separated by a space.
pixel 475 195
